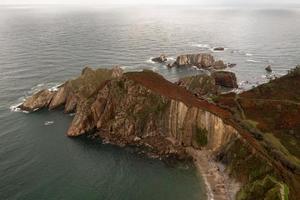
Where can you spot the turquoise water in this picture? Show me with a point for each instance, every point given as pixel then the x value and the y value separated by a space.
pixel 42 47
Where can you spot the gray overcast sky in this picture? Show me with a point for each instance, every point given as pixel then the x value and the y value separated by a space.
pixel 108 2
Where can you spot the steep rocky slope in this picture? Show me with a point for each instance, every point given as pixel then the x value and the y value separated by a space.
pixel 144 109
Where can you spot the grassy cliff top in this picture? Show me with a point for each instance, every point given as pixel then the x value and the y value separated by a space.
pixel 158 84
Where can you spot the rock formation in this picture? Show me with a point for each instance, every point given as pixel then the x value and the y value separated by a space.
pixel 161 59
pixel 219 49
pixel 225 79
pixel 200 85
pixel 72 93
pixel 218 65
pixel 268 69
pixel 142 108
pixel 201 61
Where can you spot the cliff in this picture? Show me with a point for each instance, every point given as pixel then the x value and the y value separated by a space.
pixel 144 109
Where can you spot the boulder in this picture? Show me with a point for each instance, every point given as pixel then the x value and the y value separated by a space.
pixel 225 79
pixel 268 69
pixel 219 49
pixel 161 59
pixel 219 65
pixel 231 65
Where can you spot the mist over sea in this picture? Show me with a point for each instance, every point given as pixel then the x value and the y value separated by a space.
pixel 44 46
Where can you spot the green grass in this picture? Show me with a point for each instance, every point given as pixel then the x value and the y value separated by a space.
pixel 275 142
pixel 201 136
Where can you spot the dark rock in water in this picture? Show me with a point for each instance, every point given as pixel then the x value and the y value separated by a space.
pixel 170 65
pixel 161 59
pixel 231 65
pixel 225 79
pixel 219 65
pixel 219 49
pixel 268 69
pixel 199 60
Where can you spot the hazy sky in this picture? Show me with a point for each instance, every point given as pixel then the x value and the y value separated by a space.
pixel 108 2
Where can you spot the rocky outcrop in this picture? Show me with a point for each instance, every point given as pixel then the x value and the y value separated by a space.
pixel 200 85
pixel 225 79
pixel 39 100
pixel 268 68
pixel 161 59
pixel 72 93
pixel 199 60
pixel 219 49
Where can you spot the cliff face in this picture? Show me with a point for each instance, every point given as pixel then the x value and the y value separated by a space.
pixel 127 109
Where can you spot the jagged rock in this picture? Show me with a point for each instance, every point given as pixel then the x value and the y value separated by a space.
pixel 37 101
pixel 73 91
pixel 225 79
pixel 231 65
pixel 268 69
pixel 219 49
pixel 199 85
pixel 161 59
pixel 199 60
pixel 219 65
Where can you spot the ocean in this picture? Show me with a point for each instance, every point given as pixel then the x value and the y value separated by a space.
pixel 44 46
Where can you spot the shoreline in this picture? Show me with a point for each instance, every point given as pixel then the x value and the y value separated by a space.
pixel 218 185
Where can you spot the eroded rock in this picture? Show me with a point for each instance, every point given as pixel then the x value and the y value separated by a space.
pixel 161 59
pixel 37 101
pixel 225 79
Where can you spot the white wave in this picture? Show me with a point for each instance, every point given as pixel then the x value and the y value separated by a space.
pixel 171 58
pixel 196 68
pixel 150 61
pixel 155 69
pixel 54 88
pixel 48 123
pixel 249 54
pixel 72 114
pixel 202 46
pixel 253 61
pixel 15 108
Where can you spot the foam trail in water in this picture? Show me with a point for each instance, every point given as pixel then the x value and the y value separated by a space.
pixel 48 123
pixel 253 61
pixel 150 61
pixel 202 46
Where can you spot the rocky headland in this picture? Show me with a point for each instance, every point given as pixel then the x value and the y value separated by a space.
pixel 255 134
